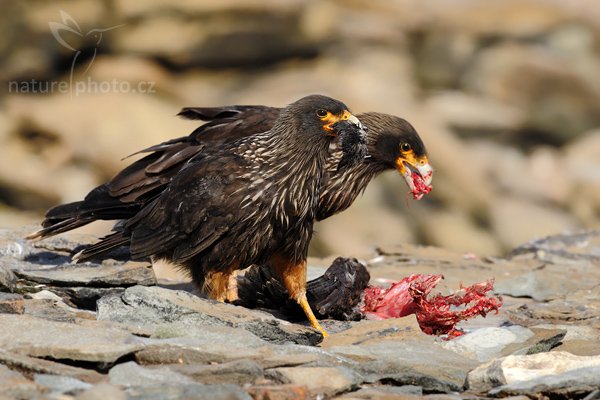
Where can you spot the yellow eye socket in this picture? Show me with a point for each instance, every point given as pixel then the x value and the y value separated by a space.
pixel 321 113
pixel 405 147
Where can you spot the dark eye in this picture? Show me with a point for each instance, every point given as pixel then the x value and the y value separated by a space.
pixel 405 147
pixel 321 113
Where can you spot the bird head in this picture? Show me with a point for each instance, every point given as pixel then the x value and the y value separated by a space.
pixel 394 143
pixel 331 115
pixel 322 116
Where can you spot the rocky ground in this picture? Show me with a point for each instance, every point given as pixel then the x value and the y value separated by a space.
pixel 114 330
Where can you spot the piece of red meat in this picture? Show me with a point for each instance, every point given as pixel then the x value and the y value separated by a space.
pixel 434 313
pixel 421 188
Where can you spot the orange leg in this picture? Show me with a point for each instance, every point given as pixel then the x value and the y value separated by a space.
pixel 216 285
pixel 293 277
pixel 232 288
pixel 221 285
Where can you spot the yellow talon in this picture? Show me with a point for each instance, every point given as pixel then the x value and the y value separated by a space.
pixel 311 317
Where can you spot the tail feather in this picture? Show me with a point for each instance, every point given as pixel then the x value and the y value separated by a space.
pixel 105 244
pixel 59 227
pixel 98 205
pixel 62 212
pixel 210 113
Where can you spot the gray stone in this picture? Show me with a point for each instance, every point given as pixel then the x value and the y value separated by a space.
pixel 46 304
pixel 8 280
pixel 579 340
pixel 62 244
pixel 411 363
pixel 47 265
pixel 15 385
pixel 581 305
pixel 395 350
pixel 48 309
pixel 385 392
pixel 103 391
pixel 536 368
pixel 57 384
pixel 46 299
pixel 239 372
pixel 487 343
pixel 576 383
pixel 86 341
pixel 37 365
pixel 186 350
pixel 230 347
pixel 12 244
pixel 292 359
pixel 194 391
pixel 108 274
pixel 131 374
pixel 11 303
pixel 146 307
pixel 576 247
pixel 547 282
pixel 86 297
pixel 573 332
pixel 320 381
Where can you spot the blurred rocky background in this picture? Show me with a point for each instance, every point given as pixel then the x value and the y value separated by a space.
pixel 505 94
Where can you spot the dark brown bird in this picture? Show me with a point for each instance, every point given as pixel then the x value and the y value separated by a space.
pixel 247 201
pixel 392 144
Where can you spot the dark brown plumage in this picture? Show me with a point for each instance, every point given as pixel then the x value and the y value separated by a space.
pixel 143 180
pixel 243 202
pixel 335 294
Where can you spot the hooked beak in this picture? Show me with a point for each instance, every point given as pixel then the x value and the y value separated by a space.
pixel 332 119
pixel 417 174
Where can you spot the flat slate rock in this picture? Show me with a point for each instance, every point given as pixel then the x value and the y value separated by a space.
pixel 575 247
pixel 320 381
pixel 89 341
pixel 576 255
pixel 152 307
pixel 486 344
pixel 8 280
pixel 108 274
pixel 581 306
pixel 32 365
pixel 48 262
pixel 103 391
pixel 239 372
pixel 544 371
pixel 14 385
pixel 131 374
pixel 192 391
pixel 227 349
pixel 395 350
pixel 576 383
pixel 11 303
pixel 60 385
